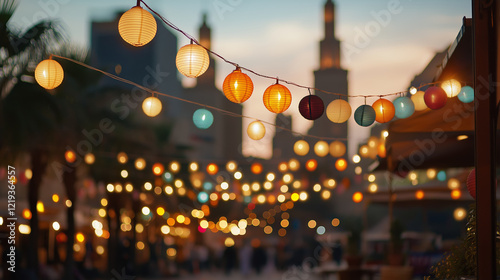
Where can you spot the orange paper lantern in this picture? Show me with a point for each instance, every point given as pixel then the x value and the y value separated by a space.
pixel 237 86
pixel 137 26
pixel 277 98
pixel 384 110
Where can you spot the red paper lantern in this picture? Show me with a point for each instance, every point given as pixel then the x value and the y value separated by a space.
pixel 384 110
pixel 435 98
pixel 311 107
pixel 471 183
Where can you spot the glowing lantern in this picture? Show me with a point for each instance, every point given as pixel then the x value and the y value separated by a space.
pixel 256 130
pixel 237 86
pixel 337 149
pixel 49 74
pixel 418 101
pixel 212 169
pixel 452 87
pixel 301 148
pixel 70 156
pixel 256 168
pixel 137 26
pixel 192 60
pixel 311 165
pixel 384 110
pixel 203 118
pixel 158 168
pixel 357 197
pixel 471 183
pixel 404 107
pixel 466 95
pixel 419 194
pixel 321 149
pixel 364 115
pixel 277 98
pixel 311 107
pixel 341 164
pixel 151 106
pixel 338 111
pixel 435 98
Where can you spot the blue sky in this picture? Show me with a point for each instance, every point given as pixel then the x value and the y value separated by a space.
pixel 385 42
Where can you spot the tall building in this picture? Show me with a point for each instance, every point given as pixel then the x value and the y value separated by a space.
pixel 330 77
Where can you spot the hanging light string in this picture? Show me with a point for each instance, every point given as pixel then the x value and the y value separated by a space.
pixel 193 40
pixel 225 112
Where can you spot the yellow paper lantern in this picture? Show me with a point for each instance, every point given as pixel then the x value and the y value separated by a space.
pixel 321 149
pixel 277 98
pixel 301 148
pixel 237 86
pixel 192 60
pixel 49 74
pixel 337 149
pixel 151 106
pixel 338 111
pixel 137 26
pixel 452 87
pixel 418 101
pixel 256 130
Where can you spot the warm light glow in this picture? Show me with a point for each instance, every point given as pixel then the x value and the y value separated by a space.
pixel 431 173
pixel 311 165
pixel 212 169
pixel 140 245
pixel 357 197
pixel 192 60
pixel 122 157
pixel 452 87
pixel 158 169
pixel 364 151
pixel 231 166
pixel 317 187
pixel 137 26
pixel 270 176
pixel 145 210
pixel 165 229
pixel 193 166
pixel 335 222
pixel 356 158
pixel 238 175
pixel 311 224
pixel 237 86
pixel 256 168
pixel 40 207
pixel 459 214
pixel 229 242
pixel 283 167
pixel 277 98
pixel 140 163
pixel 256 130
pixel 337 149
pixel 293 164
pixel 99 250
pixel 372 188
pixel 70 156
pixel 89 158
pixel 326 194
pixel 321 148
pixel 358 170
pixel 413 90
pixel 419 194
pixel 68 203
pixel 24 229
pixel 56 226
pixel 301 147
pixel 287 178
pixel 456 194
pixel 371 178
pixel 55 198
pixel 462 137
pixel 151 106
pixel 412 175
pixel 49 74
pixel 124 173
pixel 453 183
pixel 27 214
pixel 341 164
pixel 338 111
pixel 268 229
pixel 174 167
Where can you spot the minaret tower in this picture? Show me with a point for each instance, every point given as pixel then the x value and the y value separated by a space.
pixel 330 77
pixel 208 78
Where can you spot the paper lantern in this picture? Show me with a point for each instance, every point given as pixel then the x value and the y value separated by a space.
pixel 418 101
pixel 337 149
pixel 384 110
pixel 435 98
pixel 338 111
pixel 452 87
pixel 137 26
pixel 203 118
pixel 49 74
pixel 256 130
pixel 311 165
pixel 301 147
pixel 466 95
pixel 151 106
pixel 256 168
pixel 237 86
pixel 277 98
pixel 192 60
pixel 341 164
pixel 471 183
pixel 311 107
pixel 404 107
pixel 364 115
pixel 321 149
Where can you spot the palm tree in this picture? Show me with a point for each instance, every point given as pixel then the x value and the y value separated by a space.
pixel 29 114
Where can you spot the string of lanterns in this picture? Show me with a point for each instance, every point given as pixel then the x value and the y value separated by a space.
pixel 138 27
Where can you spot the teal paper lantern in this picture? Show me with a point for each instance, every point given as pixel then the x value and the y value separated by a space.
pixel 466 95
pixel 202 197
pixel 404 107
pixel 364 115
pixel 203 118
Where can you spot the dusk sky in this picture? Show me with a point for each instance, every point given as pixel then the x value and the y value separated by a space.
pixel 385 43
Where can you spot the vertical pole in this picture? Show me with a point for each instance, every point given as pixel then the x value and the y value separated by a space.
pixel 484 51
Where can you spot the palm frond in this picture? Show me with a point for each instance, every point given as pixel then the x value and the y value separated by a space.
pixel 7 8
